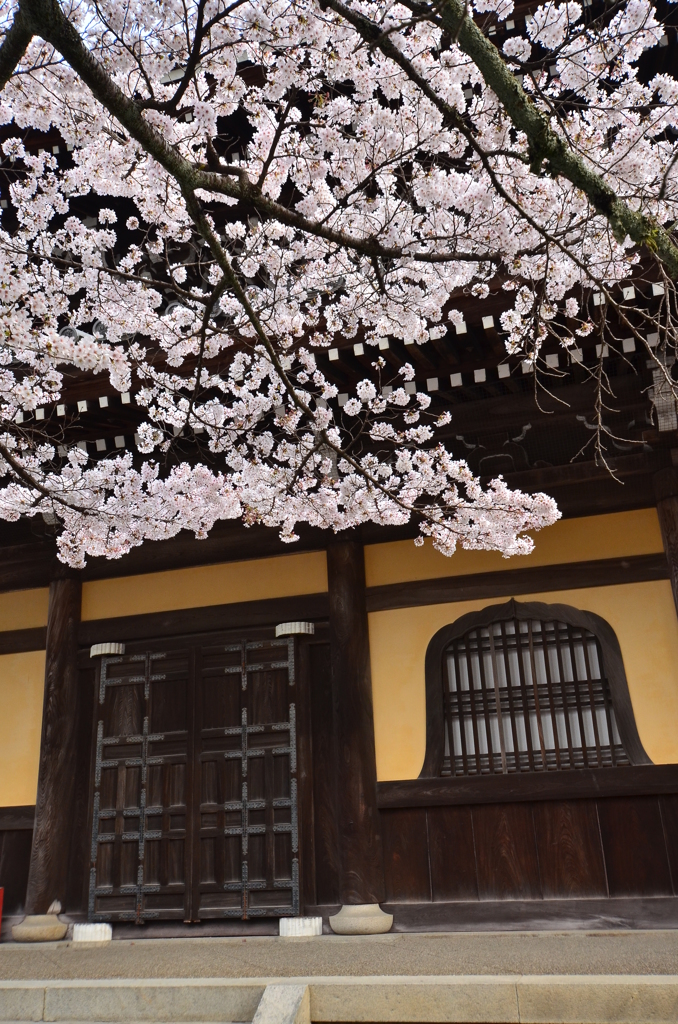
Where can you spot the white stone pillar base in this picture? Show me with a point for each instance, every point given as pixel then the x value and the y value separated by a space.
pixel 361 919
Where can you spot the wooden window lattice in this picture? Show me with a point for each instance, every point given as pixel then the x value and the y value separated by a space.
pixel 527 696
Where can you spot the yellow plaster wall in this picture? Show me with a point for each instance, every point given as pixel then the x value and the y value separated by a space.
pixel 282 576
pixel 569 540
pixel 642 614
pixel 24 609
pixel 22 679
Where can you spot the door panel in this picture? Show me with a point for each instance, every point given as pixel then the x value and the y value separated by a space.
pixel 140 829
pixel 247 829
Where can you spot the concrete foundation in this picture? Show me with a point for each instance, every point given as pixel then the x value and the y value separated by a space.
pixel 563 999
pixel 518 978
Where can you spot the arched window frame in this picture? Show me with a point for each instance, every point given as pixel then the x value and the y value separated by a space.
pixel 523 610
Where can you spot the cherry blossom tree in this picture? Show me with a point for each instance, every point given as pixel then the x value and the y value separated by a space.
pixel 266 178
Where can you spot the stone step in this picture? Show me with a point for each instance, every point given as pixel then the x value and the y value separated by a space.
pixel 462 999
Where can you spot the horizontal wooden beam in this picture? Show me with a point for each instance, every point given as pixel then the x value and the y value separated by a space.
pixel 533 915
pixel 604 572
pixel 28 552
pixel 583 783
pixel 307 607
pixel 506 413
pixel 584 473
pixel 17 819
pixel 15 641
pixel 314 607
pixel 34 563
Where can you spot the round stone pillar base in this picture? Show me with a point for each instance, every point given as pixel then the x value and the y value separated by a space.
pixel 361 919
pixel 39 928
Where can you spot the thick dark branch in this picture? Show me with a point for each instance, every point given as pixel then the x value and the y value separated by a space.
pixel 201 32
pixel 13 47
pixel 545 145
pixel 372 34
pixel 47 20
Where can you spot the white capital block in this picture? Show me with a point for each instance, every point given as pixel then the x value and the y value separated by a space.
pixel 100 932
pixel 291 926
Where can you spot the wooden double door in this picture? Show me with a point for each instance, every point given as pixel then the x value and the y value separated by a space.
pixel 194 786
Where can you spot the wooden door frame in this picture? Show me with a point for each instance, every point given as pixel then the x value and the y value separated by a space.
pixel 305 803
pixel 304 747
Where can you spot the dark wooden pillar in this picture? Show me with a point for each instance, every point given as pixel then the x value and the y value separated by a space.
pixel 666 494
pixel 361 859
pixel 48 872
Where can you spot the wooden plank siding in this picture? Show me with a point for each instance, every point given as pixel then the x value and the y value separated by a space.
pixel 577 841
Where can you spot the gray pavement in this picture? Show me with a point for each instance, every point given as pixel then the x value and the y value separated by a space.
pixel 519 953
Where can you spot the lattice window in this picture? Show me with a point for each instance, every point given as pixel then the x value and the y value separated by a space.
pixel 527 695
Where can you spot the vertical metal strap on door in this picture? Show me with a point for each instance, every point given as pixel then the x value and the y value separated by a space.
pixel 140 888
pixel 245 805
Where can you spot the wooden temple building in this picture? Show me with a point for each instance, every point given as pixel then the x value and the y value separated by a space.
pixel 205 736
pixel 471 742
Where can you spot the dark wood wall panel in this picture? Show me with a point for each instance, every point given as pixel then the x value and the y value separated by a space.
pixel 571 861
pixel 578 850
pixel 635 852
pixel 15 856
pixel 506 853
pixel 452 854
pixel 406 867
pixel 669 811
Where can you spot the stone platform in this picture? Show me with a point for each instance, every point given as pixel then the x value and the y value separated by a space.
pixel 406 954
pixel 517 978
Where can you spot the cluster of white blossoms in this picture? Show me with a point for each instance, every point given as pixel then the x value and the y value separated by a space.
pixel 262 181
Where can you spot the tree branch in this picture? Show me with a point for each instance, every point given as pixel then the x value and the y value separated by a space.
pixel 13 47
pixel 48 21
pixel 546 146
